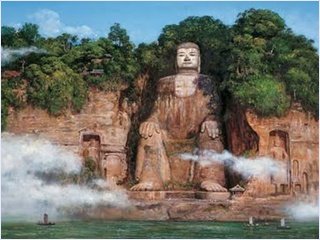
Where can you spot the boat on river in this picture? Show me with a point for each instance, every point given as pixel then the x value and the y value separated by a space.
pixel 283 224
pixel 251 223
pixel 45 221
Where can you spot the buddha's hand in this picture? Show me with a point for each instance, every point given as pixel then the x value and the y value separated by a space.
pixel 211 127
pixel 148 128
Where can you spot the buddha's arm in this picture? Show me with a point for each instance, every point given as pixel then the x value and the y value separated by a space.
pixel 211 126
pixel 150 126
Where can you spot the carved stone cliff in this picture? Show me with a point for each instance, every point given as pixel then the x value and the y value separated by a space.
pixel 98 132
pixel 292 139
pixel 297 134
pixel 108 124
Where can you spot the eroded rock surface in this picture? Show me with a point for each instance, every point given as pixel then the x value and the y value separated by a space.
pixel 99 132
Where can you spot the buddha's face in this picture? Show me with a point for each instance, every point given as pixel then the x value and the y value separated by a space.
pixel 188 58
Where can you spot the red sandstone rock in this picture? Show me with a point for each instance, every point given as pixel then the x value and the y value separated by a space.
pixel 101 119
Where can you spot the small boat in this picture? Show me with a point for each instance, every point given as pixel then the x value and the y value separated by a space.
pixel 251 224
pixel 46 224
pixel 45 221
pixel 283 224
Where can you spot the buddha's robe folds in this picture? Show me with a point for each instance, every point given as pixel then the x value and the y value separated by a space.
pixel 184 102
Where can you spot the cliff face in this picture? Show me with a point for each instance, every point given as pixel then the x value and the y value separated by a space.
pixel 99 131
pixel 241 138
pixel 292 140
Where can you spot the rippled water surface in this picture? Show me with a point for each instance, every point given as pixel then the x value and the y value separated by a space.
pixel 155 229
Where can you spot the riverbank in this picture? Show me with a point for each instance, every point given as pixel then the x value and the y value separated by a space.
pixel 186 209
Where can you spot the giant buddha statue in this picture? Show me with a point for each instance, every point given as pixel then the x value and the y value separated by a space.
pixel 185 117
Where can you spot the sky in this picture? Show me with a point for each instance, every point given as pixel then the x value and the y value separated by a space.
pixel 144 20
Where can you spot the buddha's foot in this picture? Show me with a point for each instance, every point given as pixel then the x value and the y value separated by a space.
pixel 147 186
pixel 212 186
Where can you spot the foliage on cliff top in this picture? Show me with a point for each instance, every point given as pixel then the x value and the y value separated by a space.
pixel 258 62
pixel 266 57
pixel 60 70
pixel 54 86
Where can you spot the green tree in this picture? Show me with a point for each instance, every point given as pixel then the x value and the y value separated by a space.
pixel 29 32
pixel 119 37
pixel 10 97
pixel 266 56
pixel 67 41
pixel 8 35
pixel 25 36
pixel 148 57
pixel 122 68
pixel 55 87
pixel 79 57
pixel 259 23
pixel 265 94
pixel 59 45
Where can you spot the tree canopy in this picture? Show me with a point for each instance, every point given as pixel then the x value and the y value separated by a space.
pixel 267 58
pixel 258 62
pixel 25 36
pixel 54 86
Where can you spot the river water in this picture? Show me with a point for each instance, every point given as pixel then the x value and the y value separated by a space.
pixel 156 229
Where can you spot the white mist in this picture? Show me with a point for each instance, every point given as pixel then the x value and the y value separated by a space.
pixel 9 54
pixel 26 196
pixel 258 167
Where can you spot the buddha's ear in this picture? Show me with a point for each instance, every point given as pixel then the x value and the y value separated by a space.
pixel 199 64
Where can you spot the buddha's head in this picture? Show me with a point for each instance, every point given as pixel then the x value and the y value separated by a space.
pixel 188 57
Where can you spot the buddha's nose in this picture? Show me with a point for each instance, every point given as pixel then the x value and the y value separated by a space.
pixel 186 58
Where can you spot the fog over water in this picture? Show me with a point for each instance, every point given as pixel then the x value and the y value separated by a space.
pixel 262 168
pixel 26 194
pixel 303 211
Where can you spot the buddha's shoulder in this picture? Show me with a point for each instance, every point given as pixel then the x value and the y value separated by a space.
pixel 166 84
pixel 167 79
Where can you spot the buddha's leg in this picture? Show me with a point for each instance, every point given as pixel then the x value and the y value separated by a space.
pixel 181 170
pixel 210 176
pixel 152 169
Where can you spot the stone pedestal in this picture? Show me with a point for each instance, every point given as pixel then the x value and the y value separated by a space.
pixel 180 194
pixel 147 195
pixel 213 195
pixel 159 195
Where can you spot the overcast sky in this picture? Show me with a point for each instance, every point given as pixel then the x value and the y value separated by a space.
pixel 144 20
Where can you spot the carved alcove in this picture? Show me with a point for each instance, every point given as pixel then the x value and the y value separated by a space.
pixel 295 170
pixel 282 137
pixel 305 183
pixel 90 147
